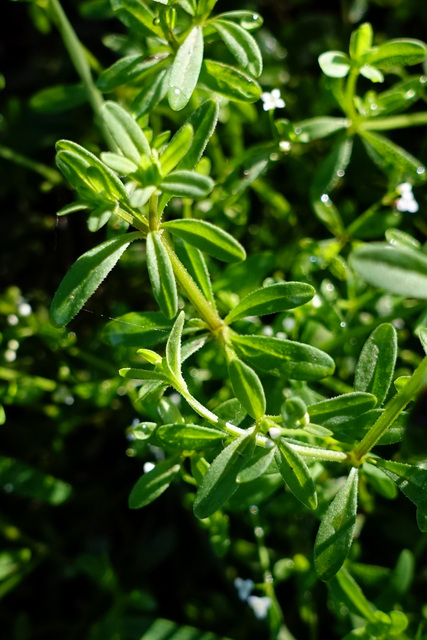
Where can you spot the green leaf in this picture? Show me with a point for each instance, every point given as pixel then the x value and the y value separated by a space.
pixel 127 69
pixel 389 157
pixel 155 90
pixel 187 184
pixel 126 133
pixel 191 437
pixel 118 163
pixel 85 276
pixel 241 44
pixel 219 483
pixel 195 264
pixel 208 238
pixel 346 591
pixel 161 275
pixel 58 99
pixel 361 40
pixel 173 347
pixel 203 122
pixel 137 330
pixel 396 269
pixel 177 149
pixel 258 464
pixel 249 20
pixel 335 410
pixel 320 127
pixel 400 52
pixel 334 64
pixel 372 73
pixel 412 481
pixel 18 477
pixel 375 366
pixel 353 429
pixel 272 299
pixel 247 388
pixel 382 484
pixel 186 69
pixel 336 530
pixel 142 374
pixel 284 358
pixel 152 484
pixel 229 82
pixel 135 13
pixel 296 475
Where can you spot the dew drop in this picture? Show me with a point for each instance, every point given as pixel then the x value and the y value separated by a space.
pixel 156 21
pixel 177 92
pixel 8 487
pixel 340 173
pixel 409 94
pixel 298 130
pixel 421 170
pixel 259 532
pixel 254 510
pixel 423 79
pixel 343 324
pixel 373 107
pixel 313 259
pixel 324 197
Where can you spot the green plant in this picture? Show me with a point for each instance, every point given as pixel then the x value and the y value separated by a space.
pixel 267 418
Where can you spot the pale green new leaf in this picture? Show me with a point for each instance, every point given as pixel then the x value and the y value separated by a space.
pixel 186 69
pixel 399 52
pixel 208 238
pixel 85 276
pixel 173 347
pixel 361 40
pixel 195 264
pixel 241 44
pixel 249 20
pixel 203 122
pixel 125 131
pixel 177 149
pixel 247 388
pixel 336 530
pixel 161 275
pixel 219 483
pixel 375 366
pixel 396 269
pixel 118 163
pixel 151 485
pixel 272 299
pixel 296 475
pixel 334 64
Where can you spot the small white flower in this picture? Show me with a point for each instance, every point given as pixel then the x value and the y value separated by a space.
pixel 244 588
pixel 285 146
pixel 272 100
pixel 406 202
pixel 260 606
pixel 24 309
pixel 148 466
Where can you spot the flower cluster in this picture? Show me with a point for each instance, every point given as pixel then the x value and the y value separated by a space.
pixel 406 202
pixel 272 100
pixel 259 604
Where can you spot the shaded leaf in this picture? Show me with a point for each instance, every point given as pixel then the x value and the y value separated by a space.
pixel 229 82
pixel 296 475
pixel 186 69
pixel 241 44
pixel 247 388
pixel 375 366
pixel 18 477
pixel 208 238
pixel 189 436
pixel 161 275
pixel 151 485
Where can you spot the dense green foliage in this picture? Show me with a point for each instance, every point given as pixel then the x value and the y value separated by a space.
pixel 212 387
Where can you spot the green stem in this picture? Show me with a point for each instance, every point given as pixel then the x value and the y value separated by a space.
pixel 47 172
pixel 81 65
pixel 391 411
pixel 394 122
pixel 350 93
pixel 193 293
pixel 153 216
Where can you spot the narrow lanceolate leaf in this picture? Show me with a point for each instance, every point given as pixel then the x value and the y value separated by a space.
pixel 195 264
pixel 155 89
pixel 229 82
pixel 346 590
pixel 320 127
pixel 134 329
pixel 142 374
pixel 336 530
pixel 272 299
pixel 247 388
pixel 186 69
pixel 399 52
pixel 203 121
pixel 219 483
pixel 134 13
pixel 241 44
pixel 375 367
pixel 176 149
pixel 126 133
pixel 361 40
pixel 396 269
pixel 388 156
pixel 284 357
pixel 412 481
pixel 337 410
pixel 85 276
pixel 187 184
pixel 257 466
pixel 295 473
pixel 127 69
pixel 208 238
pixel 173 347
pixel 161 276
pixel 152 484
pixel 248 20
pixel 189 436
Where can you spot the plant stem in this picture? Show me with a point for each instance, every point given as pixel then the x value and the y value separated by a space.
pixel 394 122
pixel 391 411
pixel 47 172
pixel 193 293
pixel 81 65
pixel 350 92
